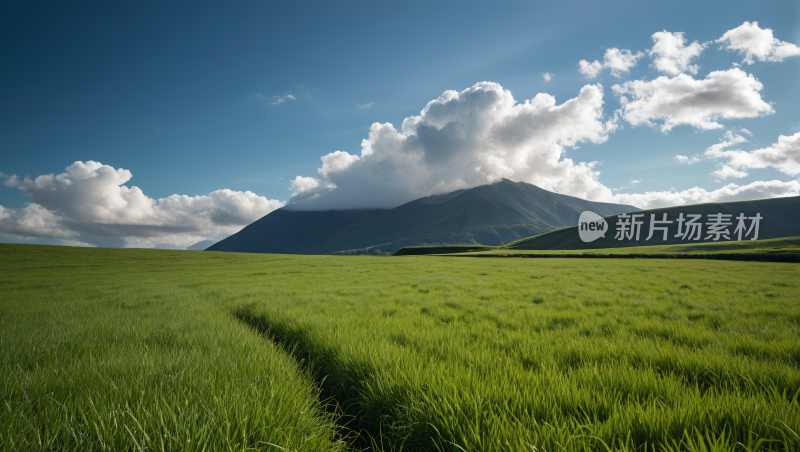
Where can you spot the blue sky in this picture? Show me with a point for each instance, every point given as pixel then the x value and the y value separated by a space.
pixel 184 96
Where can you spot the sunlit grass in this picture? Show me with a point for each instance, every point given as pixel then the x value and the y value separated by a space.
pixel 425 353
pixel 500 354
pixel 114 350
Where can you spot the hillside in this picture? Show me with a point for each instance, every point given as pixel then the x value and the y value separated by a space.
pixel 780 217
pixel 490 214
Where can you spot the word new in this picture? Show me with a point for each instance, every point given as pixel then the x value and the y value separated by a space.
pixel 592 226
pixel 689 227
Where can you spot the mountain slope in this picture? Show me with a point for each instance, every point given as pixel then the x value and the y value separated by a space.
pixel 780 218
pixel 448 218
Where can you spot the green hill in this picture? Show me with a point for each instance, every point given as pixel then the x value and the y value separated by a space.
pixel 771 250
pixel 490 214
pixel 786 245
pixel 780 217
pixel 778 232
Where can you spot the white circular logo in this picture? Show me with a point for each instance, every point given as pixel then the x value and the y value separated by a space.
pixel 591 226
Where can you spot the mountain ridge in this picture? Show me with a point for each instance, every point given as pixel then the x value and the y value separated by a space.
pixel 446 218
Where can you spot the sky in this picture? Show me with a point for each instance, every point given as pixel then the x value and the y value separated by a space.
pixel 167 124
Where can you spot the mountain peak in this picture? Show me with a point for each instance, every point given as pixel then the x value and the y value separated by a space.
pixel 516 209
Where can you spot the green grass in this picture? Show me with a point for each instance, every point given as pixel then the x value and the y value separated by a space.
pixel 424 353
pixel 114 350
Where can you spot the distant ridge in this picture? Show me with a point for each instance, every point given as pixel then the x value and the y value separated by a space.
pixel 489 214
pixel 780 218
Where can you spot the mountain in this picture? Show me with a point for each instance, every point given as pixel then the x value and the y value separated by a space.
pixel 490 214
pixel 779 217
pixel 199 246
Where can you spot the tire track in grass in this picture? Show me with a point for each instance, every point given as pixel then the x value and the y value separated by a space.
pixel 355 376
pixel 338 381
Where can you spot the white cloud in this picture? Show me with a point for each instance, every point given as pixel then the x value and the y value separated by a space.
pixel 547 76
pixel 365 106
pixel 757 43
pixel 33 221
pixel 681 99
pixel 671 55
pixel 90 203
pixel 725 171
pixel 729 139
pixel 69 242
pixel 281 99
pixel 462 140
pixel 335 162
pixel 307 186
pixel 480 135
pixel 590 70
pixel 274 100
pixel 631 183
pixel 696 195
pixel 784 156
pixel 618 62
pixel 687 160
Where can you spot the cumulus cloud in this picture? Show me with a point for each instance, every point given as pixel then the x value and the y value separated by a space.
pixel 725 171
pixel 89 203
pixel 590 70
pixel 696 195
pixel 729 94
pixel 365 106
pixel 635 181
pixel 336 162
pixel 730 138
pixel 462 140
pixel 757 43
pixel 671 55
pixel 784 156
pixel 687 160
pixel 307 186
pixel 33 221
pixel 618 62
pixel 547 76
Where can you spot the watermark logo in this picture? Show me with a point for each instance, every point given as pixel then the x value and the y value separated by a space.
pixel 689 227
pixel 591 226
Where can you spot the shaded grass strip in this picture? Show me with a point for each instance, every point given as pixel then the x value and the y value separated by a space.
pixel 339 382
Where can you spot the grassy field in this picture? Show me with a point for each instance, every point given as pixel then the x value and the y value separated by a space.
pixel 115 350
pixel 125 349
